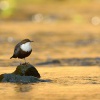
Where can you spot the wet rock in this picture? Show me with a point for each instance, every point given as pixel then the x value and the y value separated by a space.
pixel 19 79
pixel 26 69
pixel 24 73
pixel 1 77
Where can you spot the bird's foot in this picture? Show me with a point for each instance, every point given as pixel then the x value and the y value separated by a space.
pixel 25 63
pixel 28 63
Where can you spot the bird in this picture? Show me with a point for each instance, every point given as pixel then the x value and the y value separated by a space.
pixel 22 50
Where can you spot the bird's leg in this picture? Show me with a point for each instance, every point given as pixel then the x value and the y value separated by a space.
pixel 25 61
pixel 20 62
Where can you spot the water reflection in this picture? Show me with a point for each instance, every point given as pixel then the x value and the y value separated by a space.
pixel 23 87
pixel 28 87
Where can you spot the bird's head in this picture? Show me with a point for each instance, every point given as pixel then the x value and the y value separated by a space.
pixel 26 40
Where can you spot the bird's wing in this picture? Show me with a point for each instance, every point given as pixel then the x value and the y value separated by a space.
pixel 17 48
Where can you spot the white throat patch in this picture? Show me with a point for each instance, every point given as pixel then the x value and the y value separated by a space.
pixel 26 47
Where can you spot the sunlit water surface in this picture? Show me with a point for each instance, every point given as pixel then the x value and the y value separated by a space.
pixel 65 83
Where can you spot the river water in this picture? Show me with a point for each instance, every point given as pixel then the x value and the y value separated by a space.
pixel 62 83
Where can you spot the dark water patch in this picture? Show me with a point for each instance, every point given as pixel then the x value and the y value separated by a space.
pixel 72 62
pixel 49 62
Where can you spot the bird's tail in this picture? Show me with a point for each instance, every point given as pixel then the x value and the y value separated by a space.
pixel 11 57
pixel 14 56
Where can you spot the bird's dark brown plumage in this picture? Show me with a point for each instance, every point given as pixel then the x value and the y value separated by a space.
pixel 18 52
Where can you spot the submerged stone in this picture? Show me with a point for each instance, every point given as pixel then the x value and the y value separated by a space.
pixel 19 79
pixel 24 73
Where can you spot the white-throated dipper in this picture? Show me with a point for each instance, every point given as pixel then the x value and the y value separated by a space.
pixel 23 49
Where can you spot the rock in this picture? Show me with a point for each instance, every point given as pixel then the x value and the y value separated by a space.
pixel 1 77
pixel 32 72
pixel 24 73
pixel 26 69
pixel 19 79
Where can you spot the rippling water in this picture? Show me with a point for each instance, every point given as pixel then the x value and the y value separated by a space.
pixel 66 83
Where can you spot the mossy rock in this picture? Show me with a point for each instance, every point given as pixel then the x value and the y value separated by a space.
pixel 24 73
pixel 26 69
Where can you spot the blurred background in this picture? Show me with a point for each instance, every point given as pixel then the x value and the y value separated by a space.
pixel 66 32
